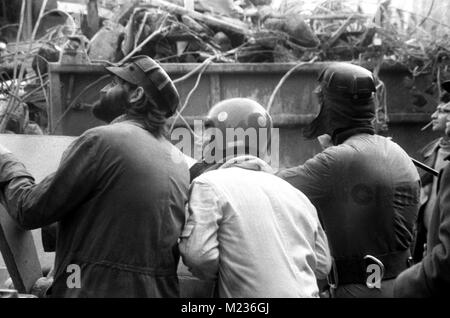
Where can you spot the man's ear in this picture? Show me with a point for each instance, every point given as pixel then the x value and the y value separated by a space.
pixel 137 94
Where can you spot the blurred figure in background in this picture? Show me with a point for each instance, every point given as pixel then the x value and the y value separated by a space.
pixel 431 277
pixel 433 155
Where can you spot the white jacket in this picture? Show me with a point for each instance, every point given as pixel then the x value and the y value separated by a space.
pixel 253 231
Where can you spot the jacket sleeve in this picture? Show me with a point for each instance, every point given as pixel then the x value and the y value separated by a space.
pixel 322 254
pixel 199 245
pixel 48 236
pixel 36 205
pixel 431 277
pixel 312 177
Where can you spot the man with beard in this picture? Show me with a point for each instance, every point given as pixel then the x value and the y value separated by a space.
pixel 434 155
pixel 431 277
pixel 118 195
pixel 365 186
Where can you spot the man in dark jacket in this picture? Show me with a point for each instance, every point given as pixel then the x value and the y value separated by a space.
pixel 364 186
pixel 118 195
pixel 431 277
pixel 433 155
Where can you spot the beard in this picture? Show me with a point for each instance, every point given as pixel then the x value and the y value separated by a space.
pixel 111 105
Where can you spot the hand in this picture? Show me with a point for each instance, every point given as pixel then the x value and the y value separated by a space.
pixel 325 141
pixel 41 286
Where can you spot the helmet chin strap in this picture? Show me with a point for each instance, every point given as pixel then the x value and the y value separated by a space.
pixel 318 126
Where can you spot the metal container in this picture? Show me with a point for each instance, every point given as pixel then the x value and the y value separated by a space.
pixel 73 88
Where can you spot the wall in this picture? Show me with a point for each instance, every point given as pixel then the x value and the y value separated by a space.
pixel 294 105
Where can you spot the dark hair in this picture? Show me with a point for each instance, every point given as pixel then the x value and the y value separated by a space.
pixel 147 112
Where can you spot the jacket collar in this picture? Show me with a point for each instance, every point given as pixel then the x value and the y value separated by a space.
pixel 248 162
pixel 127 119
pixel 341 135
pixel 119 119
pixel 431 148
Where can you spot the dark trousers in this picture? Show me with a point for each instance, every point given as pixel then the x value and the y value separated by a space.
pixel 362 291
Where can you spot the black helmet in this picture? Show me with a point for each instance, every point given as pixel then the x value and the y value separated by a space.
pixel 346 94
pixel 242 119
pixel 145 72
pixel 346 80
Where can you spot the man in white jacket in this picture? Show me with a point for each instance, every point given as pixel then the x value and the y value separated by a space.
pixel 252 231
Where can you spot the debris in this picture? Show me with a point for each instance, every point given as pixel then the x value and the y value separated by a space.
pixel 105 45
pixel 219 7
pixel 195 26
pixel 283 7
pixel 254 31
pixel 223 41
pixel 295 27
pixel 55 20
pixel 262 30
pixel 93 19
pixel 233 25
pixel 19 121
pixel 48 52
pixel 75 51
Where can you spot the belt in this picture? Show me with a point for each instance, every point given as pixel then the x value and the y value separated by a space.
pixel 354 271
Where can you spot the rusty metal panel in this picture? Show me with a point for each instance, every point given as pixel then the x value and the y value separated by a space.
pixel 294 96
pixel 199 101
pixel 293 108
pixel 220 81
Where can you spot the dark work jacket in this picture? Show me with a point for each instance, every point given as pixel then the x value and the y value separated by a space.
pixel 366 191
pixel 429 155
pixel 431 277
pixel 118 196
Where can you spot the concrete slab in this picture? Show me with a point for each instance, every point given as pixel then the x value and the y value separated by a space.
pixel 41 155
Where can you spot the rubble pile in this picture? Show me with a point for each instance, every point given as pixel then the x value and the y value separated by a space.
pixel 241 31
pixel 258 31
pixel 205 31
